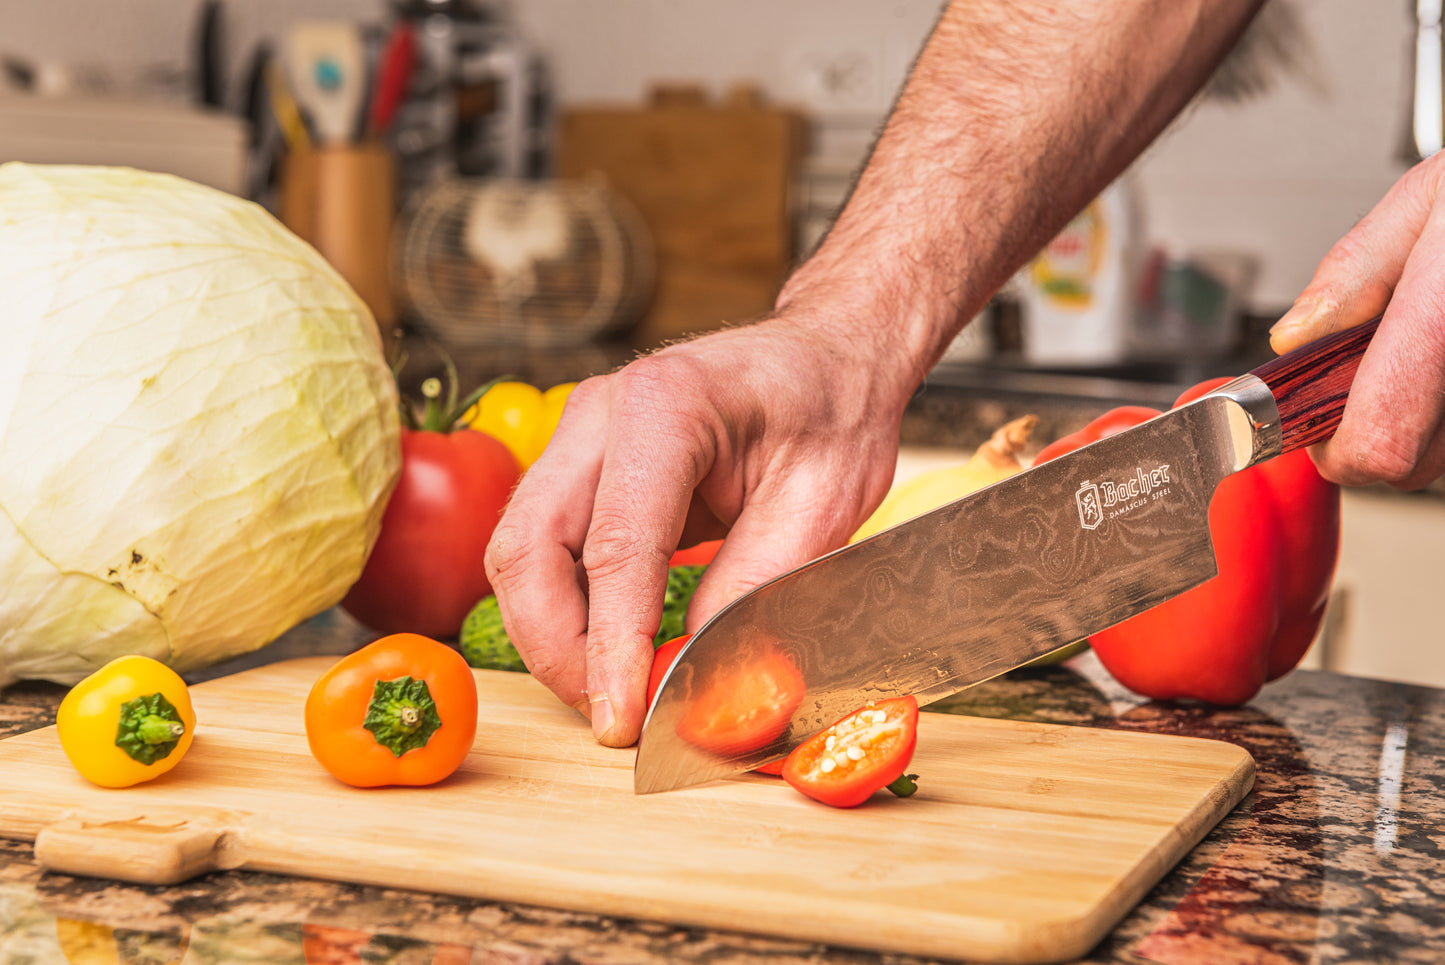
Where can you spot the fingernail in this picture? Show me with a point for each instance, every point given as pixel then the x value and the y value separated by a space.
pixel 603 717
pixel 1300 324
pixel 583 707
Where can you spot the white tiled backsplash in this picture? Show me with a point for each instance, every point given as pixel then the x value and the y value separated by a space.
pixel 1280 178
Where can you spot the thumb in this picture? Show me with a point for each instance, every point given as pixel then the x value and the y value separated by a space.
pixel 1356 278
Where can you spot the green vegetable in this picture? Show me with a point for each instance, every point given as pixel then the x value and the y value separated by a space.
pixel 198 428
pixel 485 644
pixel 681 584
pixel 402 715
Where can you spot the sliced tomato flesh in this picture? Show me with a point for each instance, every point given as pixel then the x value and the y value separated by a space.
pixel 864 752
pixel 744 709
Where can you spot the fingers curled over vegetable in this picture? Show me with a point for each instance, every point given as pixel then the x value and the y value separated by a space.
pixel 130 721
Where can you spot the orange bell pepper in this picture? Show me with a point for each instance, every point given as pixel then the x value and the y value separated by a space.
pixel 402 710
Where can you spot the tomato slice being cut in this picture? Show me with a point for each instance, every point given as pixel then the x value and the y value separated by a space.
pixel 743 708
pixel 864 752
pixel 662 659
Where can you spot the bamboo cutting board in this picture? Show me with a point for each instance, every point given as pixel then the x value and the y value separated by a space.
pixel 1025 843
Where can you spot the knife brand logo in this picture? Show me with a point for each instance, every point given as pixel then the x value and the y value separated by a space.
pixel 1108 499
pixel 1091 514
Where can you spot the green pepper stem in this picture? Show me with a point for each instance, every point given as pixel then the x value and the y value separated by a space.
pixel 150 728
pixel 153 729
pixel 402 715
pixel 905 785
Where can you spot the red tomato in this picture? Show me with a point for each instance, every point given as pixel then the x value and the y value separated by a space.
pixel 864 752
pixel 699 555
pixel 744 708
pixel 426 571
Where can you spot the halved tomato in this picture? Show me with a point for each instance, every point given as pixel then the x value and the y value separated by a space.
pixel 864 752
pixel 744 708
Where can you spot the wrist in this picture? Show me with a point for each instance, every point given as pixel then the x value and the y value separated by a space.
pixel 866 291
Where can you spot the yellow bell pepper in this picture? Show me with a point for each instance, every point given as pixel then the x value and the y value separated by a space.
pixel 130 721
pixel 522 416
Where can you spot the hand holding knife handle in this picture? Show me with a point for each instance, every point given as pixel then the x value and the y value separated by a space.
pixel 1310 384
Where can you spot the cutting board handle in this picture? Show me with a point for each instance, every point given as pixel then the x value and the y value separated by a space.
pixel 1310 384
pixel 144 850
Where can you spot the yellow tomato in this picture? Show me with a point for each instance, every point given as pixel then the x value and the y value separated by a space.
pixel 130 721
pixel 522 416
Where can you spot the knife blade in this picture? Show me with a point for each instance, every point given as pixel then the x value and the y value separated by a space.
pixel 985 584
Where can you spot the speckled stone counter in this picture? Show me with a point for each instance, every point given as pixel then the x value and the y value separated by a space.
pixel 1338 855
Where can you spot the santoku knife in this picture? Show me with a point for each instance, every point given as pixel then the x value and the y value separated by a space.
pixel 984 584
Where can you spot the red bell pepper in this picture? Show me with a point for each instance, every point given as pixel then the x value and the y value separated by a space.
pixel 1276 534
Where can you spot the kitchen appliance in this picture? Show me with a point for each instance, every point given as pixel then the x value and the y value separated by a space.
pixel 489 262
pixel 1001 577
pixel 1026 842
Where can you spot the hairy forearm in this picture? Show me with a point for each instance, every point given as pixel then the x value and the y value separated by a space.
pixel 1016 114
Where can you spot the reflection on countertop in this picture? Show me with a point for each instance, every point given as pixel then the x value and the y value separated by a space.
pixel 1337 855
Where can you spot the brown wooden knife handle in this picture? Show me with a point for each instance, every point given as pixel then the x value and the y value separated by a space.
pixel 1310 384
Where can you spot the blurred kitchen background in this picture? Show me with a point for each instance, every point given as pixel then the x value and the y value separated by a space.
pixel 543 188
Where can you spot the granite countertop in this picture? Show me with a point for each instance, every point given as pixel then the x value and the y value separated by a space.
pixel 1337 855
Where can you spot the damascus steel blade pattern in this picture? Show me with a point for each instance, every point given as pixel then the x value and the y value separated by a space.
pixel 970 590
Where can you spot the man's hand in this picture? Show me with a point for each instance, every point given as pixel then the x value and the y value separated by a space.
pixel 784 433
pixel 774 433
pixel 1391 429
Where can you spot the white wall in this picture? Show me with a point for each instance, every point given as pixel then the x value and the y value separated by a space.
pixel 1280 178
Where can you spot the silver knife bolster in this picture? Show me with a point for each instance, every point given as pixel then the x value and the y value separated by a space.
pixel 1252 417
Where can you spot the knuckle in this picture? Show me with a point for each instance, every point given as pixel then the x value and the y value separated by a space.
pixel 1388 464
pixel 1387 457
pixel 508 554
pixel 587 392
pixel 547 665
pixel 617 544
pixel 659 383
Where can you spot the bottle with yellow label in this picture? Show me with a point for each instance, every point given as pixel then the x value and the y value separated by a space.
pixel 1077 295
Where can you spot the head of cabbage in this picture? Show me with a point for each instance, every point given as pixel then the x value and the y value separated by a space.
pixel 198 429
